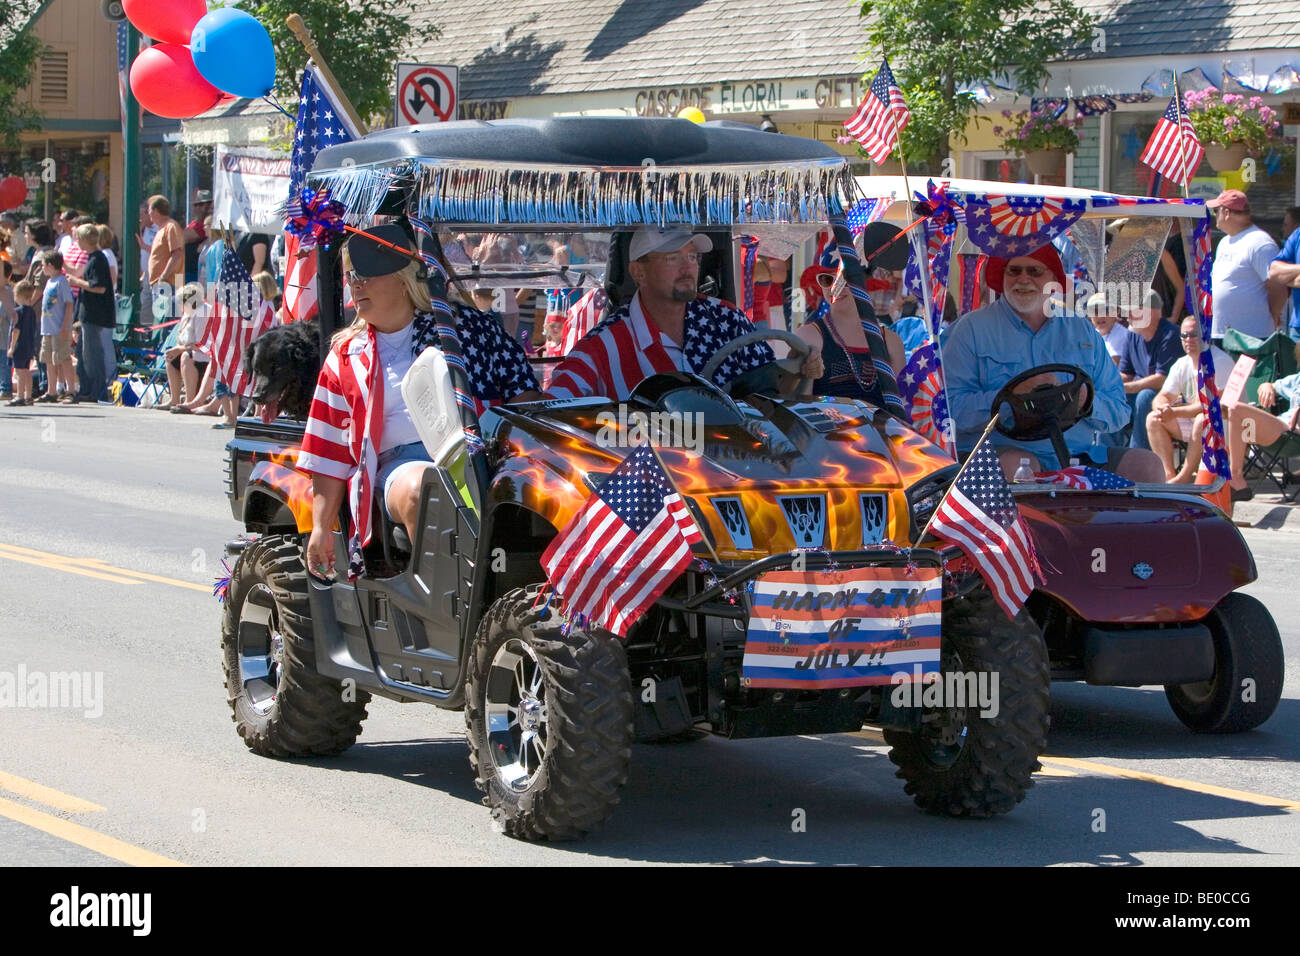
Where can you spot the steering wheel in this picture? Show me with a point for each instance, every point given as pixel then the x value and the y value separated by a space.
pixel 767 376
pixel 1048 411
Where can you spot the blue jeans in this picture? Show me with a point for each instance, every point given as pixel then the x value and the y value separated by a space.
pixel 1140 402
pixel 6 370
pixel 100 359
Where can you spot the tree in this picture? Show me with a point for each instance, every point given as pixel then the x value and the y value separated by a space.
pixel 20 49
pixel 936 47
pixel 361 40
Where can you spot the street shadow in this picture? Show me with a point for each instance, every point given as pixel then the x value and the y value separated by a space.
pixel 436 763
pixel 1134 723
pixel 515 61
pixel 633 20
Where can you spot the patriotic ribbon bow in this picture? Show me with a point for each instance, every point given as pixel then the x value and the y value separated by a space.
pixel 315 217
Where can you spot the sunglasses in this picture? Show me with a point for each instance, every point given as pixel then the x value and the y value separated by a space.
pixel 355 277
pixel 1194 337
pixel 831 283
pixel 1033 272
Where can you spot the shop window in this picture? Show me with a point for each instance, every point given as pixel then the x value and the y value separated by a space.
pixel 53 79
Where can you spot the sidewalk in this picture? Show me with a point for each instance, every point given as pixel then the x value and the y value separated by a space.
pixel 1267 510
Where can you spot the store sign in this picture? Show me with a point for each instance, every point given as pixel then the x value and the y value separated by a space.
pixel 484 109
pixel 757 96
pixel 247 190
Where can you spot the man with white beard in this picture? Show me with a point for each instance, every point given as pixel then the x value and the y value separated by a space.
pixel 1024 329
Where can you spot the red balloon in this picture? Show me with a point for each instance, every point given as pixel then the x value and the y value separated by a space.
pixel 167 83
pixel 171 21
pixel 13 192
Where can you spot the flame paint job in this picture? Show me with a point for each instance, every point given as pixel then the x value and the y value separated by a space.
pixel 279 475
pixel 838 448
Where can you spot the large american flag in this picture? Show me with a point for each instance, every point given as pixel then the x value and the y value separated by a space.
pixel 624 547
pixel 1173 149
pixel 320 123
pixel 979 515
pixel 1214 448
pixel 583 316
pixel 882 115
pixel 239 314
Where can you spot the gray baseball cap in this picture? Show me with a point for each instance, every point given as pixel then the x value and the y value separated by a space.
pixel 648 239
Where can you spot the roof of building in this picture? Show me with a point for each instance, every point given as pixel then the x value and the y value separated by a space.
pixel 562 47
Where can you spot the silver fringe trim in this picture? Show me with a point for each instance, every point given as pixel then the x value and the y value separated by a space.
pixel 361 190
pixel 655 195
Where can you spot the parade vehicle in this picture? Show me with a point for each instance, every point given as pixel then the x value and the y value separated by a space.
pixel 802 502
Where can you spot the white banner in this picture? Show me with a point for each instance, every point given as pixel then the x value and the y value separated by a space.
pixel 248 189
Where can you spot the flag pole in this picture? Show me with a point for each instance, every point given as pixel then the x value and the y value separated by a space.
pixel 898 141
pixel 1182 145
pixel 987 428
pixel 304 36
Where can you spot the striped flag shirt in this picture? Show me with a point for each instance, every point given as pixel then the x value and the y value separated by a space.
pixel 882 115
pixel 1173 150
pixel 628 347
pixel 625 546
pixel 239 315
pixel 320 123
pixel 979 516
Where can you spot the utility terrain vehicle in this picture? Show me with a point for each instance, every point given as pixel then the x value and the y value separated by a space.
pixel 813 492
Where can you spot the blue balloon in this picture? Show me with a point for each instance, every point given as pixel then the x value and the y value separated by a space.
pixel 233 52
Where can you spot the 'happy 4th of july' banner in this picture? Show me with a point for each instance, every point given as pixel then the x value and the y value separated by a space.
pixel 812 630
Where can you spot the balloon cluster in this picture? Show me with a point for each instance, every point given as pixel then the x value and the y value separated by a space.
pixel 200 59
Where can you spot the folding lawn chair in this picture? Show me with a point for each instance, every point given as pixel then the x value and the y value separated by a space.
pixel 1274 358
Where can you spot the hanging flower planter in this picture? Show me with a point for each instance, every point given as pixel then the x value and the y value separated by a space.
pixel 1046 162
pixel 1226 159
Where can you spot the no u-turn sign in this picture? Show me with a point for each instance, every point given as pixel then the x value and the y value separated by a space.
pixel 425 94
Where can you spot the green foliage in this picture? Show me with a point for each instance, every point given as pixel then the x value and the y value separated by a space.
pixel 936 47
pixel 361 41
pixel 1031 131
pixel 1231 118
pixel 19 54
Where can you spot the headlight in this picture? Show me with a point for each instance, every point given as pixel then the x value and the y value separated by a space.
pixel 924 496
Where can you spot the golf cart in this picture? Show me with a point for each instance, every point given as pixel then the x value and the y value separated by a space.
pixel 800 494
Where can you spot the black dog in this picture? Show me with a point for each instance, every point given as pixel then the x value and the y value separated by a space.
pixel 283 364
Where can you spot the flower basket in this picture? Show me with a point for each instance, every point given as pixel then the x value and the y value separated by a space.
pixel 1226 159
pixel 1045 162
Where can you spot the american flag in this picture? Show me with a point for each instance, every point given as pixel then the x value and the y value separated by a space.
pixel 239 315
pixel 320 123
pixel 1083 476
pixel 624 547
pixel 882 115
pixel 583 316
pixel 123 65
pixel 1173 149
pixel 979 515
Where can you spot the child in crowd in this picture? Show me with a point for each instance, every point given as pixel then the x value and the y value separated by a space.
pixel 187 361
pixel 269 289
pixel 106 247
pixel 22 342
pixel 56 333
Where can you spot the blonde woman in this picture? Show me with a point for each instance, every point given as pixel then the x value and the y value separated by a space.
pixel 360 436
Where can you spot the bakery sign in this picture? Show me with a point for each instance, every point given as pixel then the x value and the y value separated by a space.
pixel 756 96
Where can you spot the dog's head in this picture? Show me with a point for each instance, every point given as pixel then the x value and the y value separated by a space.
pixel 283 364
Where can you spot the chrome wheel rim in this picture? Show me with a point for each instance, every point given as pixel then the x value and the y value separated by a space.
pixel 260 649
pixel 515 704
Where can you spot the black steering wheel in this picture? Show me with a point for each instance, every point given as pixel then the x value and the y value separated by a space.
pixel 1047 411
pixel 766 377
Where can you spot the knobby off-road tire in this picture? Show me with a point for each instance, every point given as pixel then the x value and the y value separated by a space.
pixel 1247 646
pixel 290 711
pixel 561 778
pixel 991 764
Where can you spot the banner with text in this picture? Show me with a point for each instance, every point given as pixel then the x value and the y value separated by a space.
pixel 248 188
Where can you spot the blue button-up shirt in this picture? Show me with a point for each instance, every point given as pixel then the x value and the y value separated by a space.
pixel 990 346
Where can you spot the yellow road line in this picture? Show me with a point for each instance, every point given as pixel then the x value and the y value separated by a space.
pixel 47 795
pixel 1209 789
pixel 91 567
pixel 100 843
pixel 871 733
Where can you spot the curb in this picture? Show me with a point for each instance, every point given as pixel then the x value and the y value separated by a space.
pixel 1267 512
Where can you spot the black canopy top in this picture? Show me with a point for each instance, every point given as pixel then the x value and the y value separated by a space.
pixel 599 142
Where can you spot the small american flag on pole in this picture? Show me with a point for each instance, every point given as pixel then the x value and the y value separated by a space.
pixel 1173 150
pixel 239 314
pixel 320 123
pixel 882 115
pixel 624 547
pixel 979 515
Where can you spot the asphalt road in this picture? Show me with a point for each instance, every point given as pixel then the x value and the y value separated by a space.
pixel 111 530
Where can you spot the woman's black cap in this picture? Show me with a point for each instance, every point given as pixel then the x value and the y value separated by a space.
pixel 371 259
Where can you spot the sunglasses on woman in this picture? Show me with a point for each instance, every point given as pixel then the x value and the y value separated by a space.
pixel 831 284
